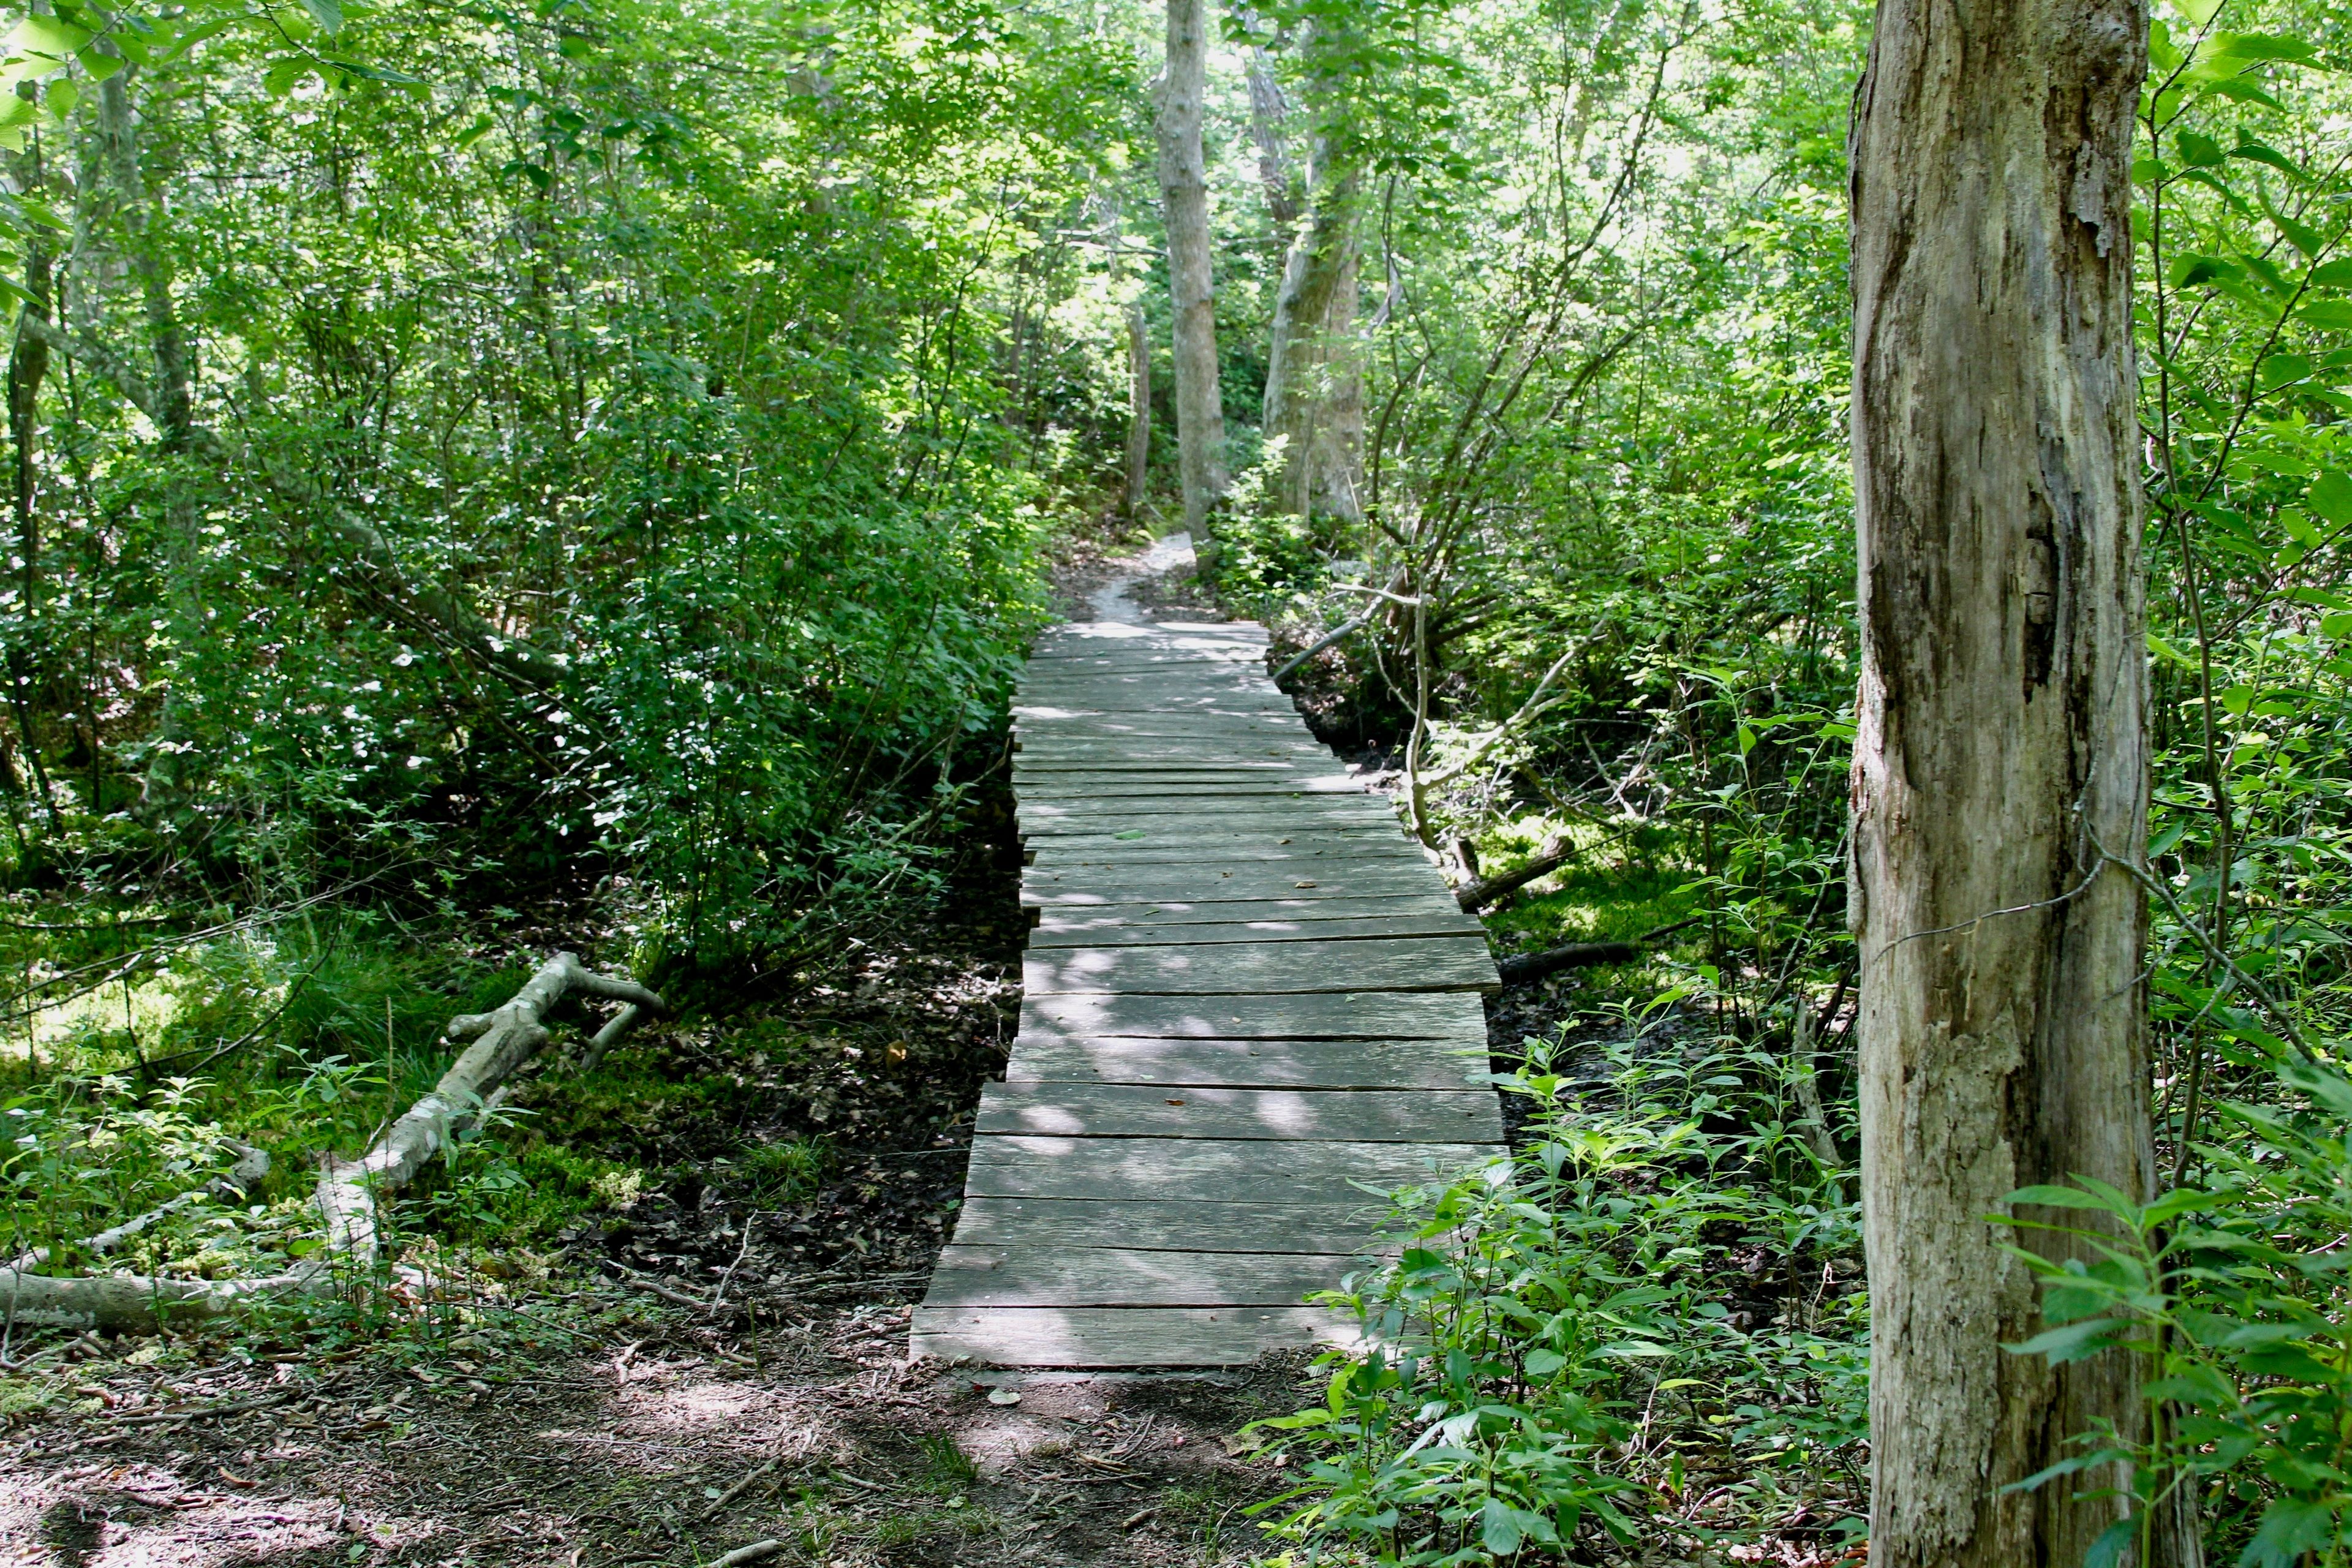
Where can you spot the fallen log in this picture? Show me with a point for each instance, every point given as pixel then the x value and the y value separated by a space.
pixel 502 1042
pixel 1522 967
pixel 1549 856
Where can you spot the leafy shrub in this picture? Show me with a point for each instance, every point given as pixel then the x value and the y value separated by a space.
pixel 2234 1290
pixel 1546 1314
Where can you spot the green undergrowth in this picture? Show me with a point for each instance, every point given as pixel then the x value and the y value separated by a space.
pixel 1627 881
pixel 1648 1321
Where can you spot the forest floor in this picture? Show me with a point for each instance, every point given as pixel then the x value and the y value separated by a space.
pixel 593 1408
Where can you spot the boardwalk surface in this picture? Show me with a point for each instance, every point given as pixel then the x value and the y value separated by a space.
pixel 1247 992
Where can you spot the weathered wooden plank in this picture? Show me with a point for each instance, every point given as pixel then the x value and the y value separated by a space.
pixel 1045 720
pixel 1122 1336
pixel 1301 908
pixel 1306 823
pixel 1081 749
pixel 1030 711
pixel 1147 1223
pixel 1048 1058
pixel 1130 1111
pixel 1374 964
pixel 1206 1170
pixel 1244 811
pixel 1051 770
pixel 1115 931
pixel 1214 852
pixel 1306 1015
pixel 1124 785
pixel 1119 1277
pixel 1148 883
pixel 1218 854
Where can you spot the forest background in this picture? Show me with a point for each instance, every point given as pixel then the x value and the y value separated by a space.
pixel 593 470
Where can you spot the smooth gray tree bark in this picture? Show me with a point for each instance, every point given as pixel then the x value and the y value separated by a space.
pixel 2002 751
pixel 1185 201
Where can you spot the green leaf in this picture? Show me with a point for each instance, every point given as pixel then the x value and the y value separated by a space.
pixel 2282 370
pixel 2290 1528
pixel 59 99
pixel 382 74
pixel 2200 152
pixel 2250 46
pixel 2256 153
pixel 2072 1342
pixel 2060 1198
pixel 2332 275
pixel 1129 833
pixel 482 126
pixel 2164 649
pixel 2330 497
pixel 2113 1543
pixel 2198 11
pixel 51 36
pixel 327 14
pixel 280 79
pixel 2328 315
pixel 2189 270
pixel 1543 1364
pixel 1499 1527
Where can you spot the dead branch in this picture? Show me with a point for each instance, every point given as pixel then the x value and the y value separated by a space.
pixel 503 1041
pixel 1520 968
pixel 1554 852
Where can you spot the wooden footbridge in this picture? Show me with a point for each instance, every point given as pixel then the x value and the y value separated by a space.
pixel 1246 991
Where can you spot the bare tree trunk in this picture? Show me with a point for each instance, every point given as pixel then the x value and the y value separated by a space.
pixel 1311 362
pixel 1138 409
pixel 2002 745
pixel 28 366
pixel 1184 200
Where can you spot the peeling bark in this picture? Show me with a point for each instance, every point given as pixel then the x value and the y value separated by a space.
pixel 2002 739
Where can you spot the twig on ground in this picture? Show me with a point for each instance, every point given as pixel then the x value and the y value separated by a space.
pixel 751 1479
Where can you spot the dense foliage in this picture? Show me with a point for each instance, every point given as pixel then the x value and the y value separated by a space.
pixel 604 457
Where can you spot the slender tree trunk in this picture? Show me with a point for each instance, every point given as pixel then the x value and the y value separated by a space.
pixel 165 784
pixel 118 133
pixel 28 366
pixel 2001 744
pixel 1267 113
pixel 1138 409
pixel 1185 199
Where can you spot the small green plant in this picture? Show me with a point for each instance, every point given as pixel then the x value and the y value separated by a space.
pixel 1548 1315
pixel 789 1170
pixel 2234 1290
pixel 951 1469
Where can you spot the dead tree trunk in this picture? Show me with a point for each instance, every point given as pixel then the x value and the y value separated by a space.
pixel 2001 742
pixel 1184 200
